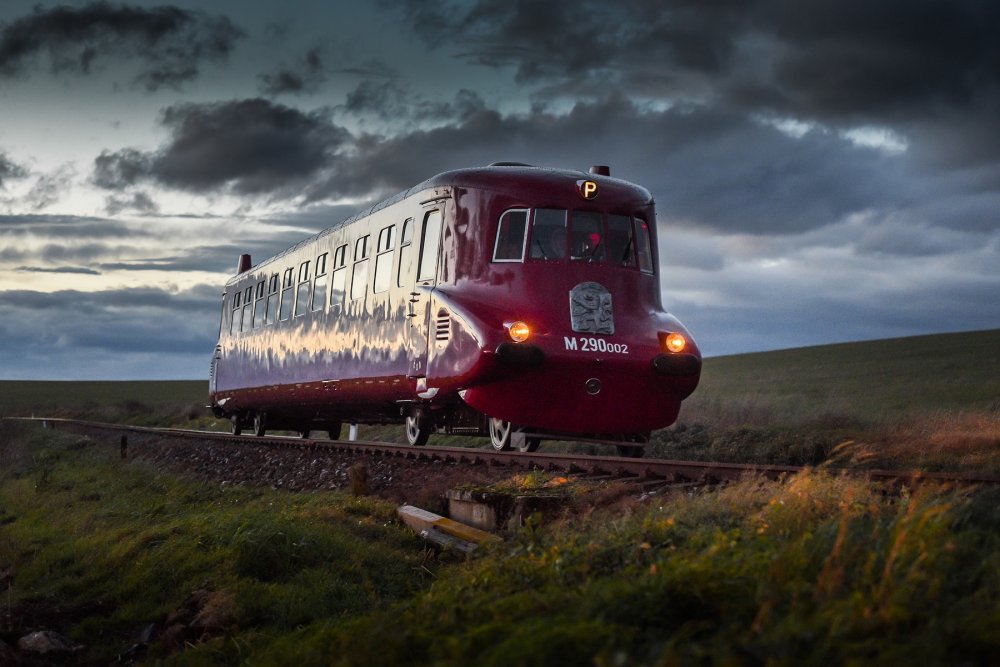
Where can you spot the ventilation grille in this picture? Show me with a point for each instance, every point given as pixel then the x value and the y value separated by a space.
pixel 442 326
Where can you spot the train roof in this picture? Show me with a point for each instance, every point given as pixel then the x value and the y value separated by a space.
pixel 499 176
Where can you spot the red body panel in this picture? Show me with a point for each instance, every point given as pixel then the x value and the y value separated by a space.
pixel 435 342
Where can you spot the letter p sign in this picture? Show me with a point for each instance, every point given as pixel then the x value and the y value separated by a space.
pixel 588 189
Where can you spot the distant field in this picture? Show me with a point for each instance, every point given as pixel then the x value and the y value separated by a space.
pixel 867 380
pixel 18 395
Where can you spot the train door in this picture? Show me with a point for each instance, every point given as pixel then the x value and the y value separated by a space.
pixel 429 245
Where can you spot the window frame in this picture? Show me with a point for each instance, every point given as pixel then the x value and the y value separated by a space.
pixel 524 234
pixel 405 253
pixel 359 273
pixel 435 255
pixel 384 253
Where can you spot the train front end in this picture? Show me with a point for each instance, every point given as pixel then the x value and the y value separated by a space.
pixel 574 339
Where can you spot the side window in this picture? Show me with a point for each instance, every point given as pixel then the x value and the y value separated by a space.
pixel 359 279
pixel 511 232
pixel 548 234
pixel 258 306
pixel 247 309
pixel 643 246
pixel 234 322
pixel 319 284
pixel 302 293
pixel 587 236
pixel 405 252
pixel 287 294
pixel 621 247
pixel 383 259
pixel 430 239
pixel 272 299
pixel 339 278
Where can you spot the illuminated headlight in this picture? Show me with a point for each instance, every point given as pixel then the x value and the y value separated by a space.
pixel 518 331
pixel 673 342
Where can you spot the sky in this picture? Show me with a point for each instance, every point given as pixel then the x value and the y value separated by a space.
pixel 823 171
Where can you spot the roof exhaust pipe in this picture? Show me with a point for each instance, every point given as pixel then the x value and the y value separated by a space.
pixel 600 170
pixel 244 264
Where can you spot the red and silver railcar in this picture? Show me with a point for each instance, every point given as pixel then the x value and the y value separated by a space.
pixel 509 301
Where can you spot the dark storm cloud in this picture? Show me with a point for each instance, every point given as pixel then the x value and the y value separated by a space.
pixel 930 69
pixel 823 58
pixel 390 101
pixel 371 69
pixel 10 170
pixel 170 43
pixel 250 146
pixel 139 332
pixel 710 168
pixel 305 76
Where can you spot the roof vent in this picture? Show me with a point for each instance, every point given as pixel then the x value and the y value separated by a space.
pixel 601 170
pixel 510 164
pixel 244 264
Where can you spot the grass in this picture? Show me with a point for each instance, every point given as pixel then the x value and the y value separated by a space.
pixel 815 570
pixel 100 550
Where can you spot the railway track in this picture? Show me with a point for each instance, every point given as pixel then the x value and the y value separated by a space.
pixel 646 472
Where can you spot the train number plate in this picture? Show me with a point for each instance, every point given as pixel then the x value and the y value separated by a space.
pixel 594 344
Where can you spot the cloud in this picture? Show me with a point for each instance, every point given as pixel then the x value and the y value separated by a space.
pixel 10 170
pixel 389 101
pixel 926 70
pixel 168 43
pixel 305 76
pixel 50 187
pixel 138 201
pixel 125 333
pixel 250 147
pixel 708 168
pixel 60 269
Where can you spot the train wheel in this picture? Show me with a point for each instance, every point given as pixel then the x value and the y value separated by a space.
pixel 334 429
pixel 419 427
pixel 530 445
pixel 630 451
pixel 501 433
pixel 235 425
pixel 259 424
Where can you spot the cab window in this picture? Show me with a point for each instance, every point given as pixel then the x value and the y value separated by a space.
pixel 548 234
pixel 621 246
pixel 511 233
pixel 643 245
pixel 587 236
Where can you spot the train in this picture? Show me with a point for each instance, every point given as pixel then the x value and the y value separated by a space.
pixel 507 301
